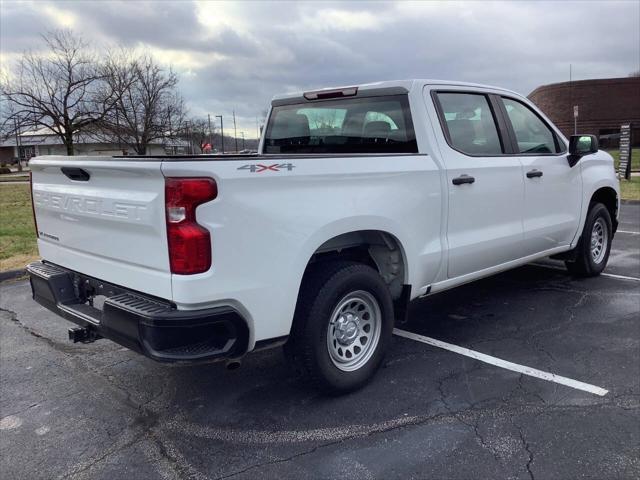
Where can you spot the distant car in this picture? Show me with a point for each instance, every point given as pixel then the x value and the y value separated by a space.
pixel 359 200
pixel 11 162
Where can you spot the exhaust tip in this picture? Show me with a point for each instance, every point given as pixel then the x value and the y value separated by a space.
pixel 233 364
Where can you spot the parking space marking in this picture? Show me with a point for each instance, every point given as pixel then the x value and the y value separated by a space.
pixel 482 357
pixel 621 277
pixel 611 275
pixel 628 231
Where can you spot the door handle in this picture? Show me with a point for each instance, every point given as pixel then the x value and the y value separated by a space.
pixel 75 173
pixel 462 179
pixel 534 174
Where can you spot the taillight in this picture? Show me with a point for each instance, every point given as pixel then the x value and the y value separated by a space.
pixel 33 205
pixel 189 242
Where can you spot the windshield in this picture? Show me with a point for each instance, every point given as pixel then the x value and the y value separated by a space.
pixel 354 125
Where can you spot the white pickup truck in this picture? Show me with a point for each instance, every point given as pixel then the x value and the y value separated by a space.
pixel 359 200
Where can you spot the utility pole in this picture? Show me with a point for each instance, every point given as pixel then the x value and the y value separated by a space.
pixel 571 94
pixel 221 131
pixel 235 133
pixel 188 125
pixel 17 130
pixel 210 137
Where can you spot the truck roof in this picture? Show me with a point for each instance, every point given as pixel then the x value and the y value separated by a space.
pixel 397 85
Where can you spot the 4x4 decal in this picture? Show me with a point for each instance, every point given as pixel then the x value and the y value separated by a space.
pixel 259 167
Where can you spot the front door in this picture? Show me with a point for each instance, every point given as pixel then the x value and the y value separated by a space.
pixel 485 186
pixel 553 189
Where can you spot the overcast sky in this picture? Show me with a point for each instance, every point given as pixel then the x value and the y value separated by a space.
pixel 238 55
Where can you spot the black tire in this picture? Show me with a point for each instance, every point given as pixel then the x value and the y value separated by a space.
pixel 324 288
pixel 584 264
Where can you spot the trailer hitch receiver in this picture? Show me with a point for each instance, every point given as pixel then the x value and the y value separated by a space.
pixel 83 334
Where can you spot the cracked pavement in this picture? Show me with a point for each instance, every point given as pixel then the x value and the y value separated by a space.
pixel 97 410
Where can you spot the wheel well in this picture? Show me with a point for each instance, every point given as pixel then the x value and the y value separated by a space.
pixel 608 197
pixel 380 250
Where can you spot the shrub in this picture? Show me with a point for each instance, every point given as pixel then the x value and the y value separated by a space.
pixel 4 170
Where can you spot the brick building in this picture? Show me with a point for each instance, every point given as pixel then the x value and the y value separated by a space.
pixel 603 104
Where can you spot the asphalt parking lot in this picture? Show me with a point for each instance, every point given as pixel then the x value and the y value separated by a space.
pixel 99 411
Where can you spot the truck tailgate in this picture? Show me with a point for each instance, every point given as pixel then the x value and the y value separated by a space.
pixel 104 217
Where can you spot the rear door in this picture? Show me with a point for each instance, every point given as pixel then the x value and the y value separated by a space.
pixel 553 189
pixel 104 217
pixel 485 186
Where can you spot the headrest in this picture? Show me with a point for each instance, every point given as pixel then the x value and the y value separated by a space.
pixel 299 125
pixel 290 125
pixel 461 131
pixel 378 129
pixel 465 114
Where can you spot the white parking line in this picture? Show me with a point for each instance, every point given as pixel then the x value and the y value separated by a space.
pixel 611 275
pixel 532 372
pixel 628 231
pixel 621 277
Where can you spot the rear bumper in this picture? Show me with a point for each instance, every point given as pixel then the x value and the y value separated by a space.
pixel 147 325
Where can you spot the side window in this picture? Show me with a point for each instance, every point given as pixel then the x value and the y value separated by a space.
pixel 532 134
pixel 470 123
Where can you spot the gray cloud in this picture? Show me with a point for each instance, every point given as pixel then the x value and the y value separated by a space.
pixel 237 55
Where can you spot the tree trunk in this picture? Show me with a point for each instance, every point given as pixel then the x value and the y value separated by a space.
pixel 68 142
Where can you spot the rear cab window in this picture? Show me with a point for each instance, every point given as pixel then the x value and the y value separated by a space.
pixel 469 123
pixel 347 125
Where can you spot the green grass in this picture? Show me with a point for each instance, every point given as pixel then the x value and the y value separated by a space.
pixel 630 189
pixel 635 158
pixel 17 232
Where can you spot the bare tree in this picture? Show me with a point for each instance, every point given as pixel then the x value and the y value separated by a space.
pixel 635 74
pixel 62 92
pixel 149 107
pixel 196 131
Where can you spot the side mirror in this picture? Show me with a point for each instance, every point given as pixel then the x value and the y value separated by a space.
pixel 580 145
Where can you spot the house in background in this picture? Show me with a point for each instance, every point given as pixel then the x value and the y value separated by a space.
pixel 43 142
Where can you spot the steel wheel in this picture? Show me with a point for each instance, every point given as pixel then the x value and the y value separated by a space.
pixel 590 256
pixel 599 239
pixel 354 330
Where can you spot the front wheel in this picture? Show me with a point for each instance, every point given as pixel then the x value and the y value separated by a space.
pixel 342 326
pixel 592 252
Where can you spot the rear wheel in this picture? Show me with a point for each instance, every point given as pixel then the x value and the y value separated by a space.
pixel 354 330
pixel 592 252
pixel 342 326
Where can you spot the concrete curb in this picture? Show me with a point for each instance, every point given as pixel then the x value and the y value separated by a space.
pixel 630 202
pixel 14 179
pixel 12 274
